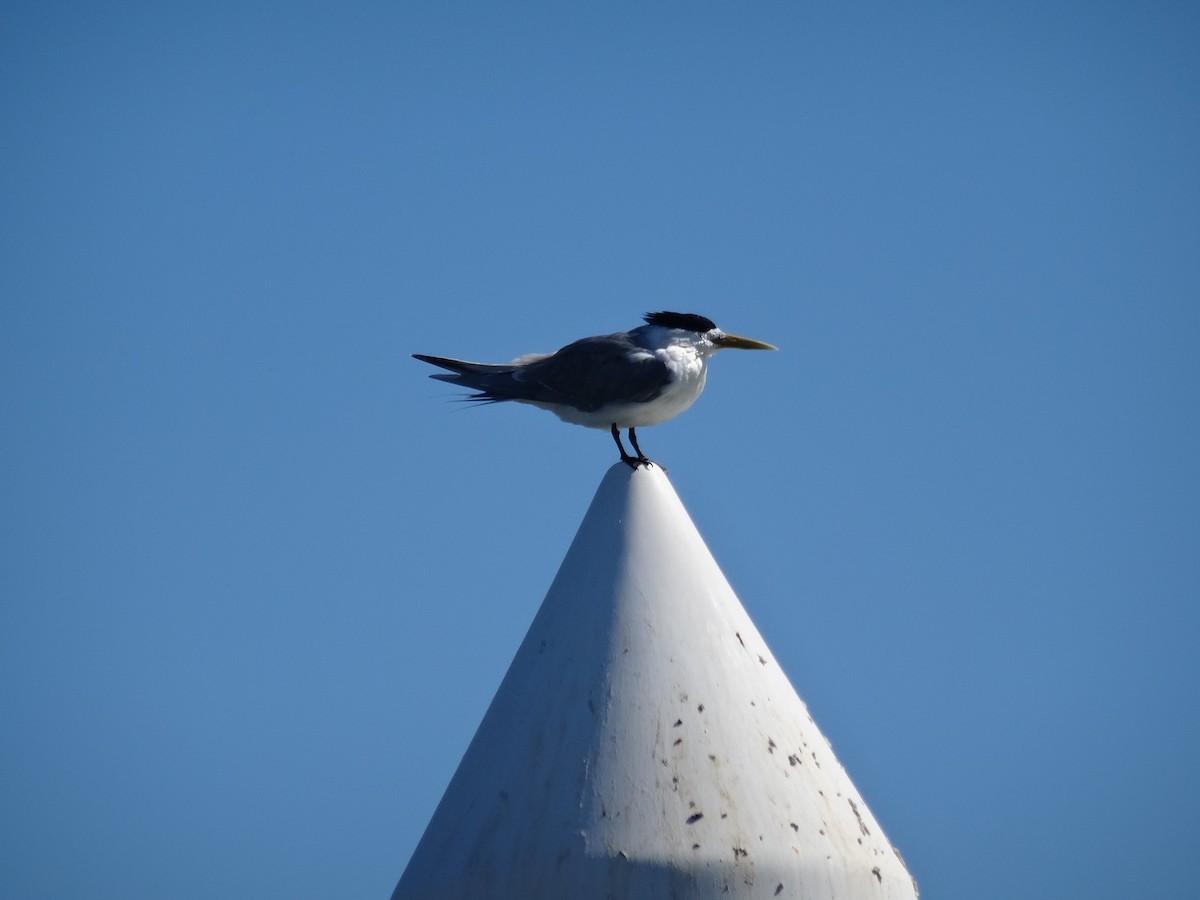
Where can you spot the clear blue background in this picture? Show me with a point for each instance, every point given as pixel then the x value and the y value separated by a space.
pixel 260 577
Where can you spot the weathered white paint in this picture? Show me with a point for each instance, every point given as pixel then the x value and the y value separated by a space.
pixel 645 744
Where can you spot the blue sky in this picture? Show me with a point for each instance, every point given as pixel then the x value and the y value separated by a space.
pixel 261 577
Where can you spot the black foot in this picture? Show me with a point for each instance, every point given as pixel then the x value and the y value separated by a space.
pixel 634 462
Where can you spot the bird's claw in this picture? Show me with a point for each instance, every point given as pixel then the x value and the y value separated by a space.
pixel 636 462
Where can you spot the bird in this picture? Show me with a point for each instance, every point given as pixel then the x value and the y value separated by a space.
pixel 624 380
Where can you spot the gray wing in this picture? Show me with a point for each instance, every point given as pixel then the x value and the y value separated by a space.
pixel 592 372
pixel 586 375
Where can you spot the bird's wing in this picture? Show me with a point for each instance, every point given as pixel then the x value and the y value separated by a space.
pixel 462 367
pixel 594 371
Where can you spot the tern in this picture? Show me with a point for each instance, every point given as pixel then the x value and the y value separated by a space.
pixel 625 380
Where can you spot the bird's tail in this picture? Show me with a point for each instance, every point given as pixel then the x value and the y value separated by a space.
pixel 492 381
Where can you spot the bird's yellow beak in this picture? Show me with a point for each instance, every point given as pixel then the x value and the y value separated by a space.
pixel 733 342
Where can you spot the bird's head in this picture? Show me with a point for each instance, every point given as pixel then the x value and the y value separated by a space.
pixel 707 335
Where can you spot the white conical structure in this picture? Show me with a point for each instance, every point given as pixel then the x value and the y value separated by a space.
pixel 645 744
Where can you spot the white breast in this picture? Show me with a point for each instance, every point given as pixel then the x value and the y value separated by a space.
pixel 688 369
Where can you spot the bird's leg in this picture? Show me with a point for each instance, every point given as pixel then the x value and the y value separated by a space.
pixel 632 461
pixel 642 459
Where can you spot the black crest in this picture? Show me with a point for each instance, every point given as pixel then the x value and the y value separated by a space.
pixel 686 321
